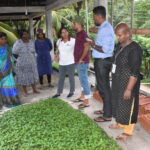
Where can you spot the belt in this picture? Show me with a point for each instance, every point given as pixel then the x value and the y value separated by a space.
pixel 108 58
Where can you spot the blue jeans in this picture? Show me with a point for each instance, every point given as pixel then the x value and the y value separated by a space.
pixel 83 77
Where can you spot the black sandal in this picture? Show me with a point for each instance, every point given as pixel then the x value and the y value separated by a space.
pixel 81 106
pixel 78 100
pixel 99 112
pixel 101 119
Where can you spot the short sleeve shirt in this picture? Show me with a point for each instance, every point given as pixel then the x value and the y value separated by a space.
pixel 79 47
pixel 66 51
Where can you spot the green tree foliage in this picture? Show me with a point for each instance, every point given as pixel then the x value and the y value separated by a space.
pixel 142 14
pixel 11 33
pixel 61 17
pixel 122 13
pixel 145 44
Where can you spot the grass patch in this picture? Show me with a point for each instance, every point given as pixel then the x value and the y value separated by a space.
pixel 51 125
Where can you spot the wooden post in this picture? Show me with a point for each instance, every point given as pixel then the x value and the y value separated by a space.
pixel 31 28
pixel 102 3
pixel 49 27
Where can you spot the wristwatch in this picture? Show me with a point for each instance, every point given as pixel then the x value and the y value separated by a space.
pixel 94 46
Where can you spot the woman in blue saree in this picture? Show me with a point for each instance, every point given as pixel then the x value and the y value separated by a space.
pixel 8 91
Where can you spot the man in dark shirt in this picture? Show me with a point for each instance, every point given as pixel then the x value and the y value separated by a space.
pixel 81 54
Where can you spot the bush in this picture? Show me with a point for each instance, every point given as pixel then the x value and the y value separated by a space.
pixel 145 45
pixel 51 125
pixel 11 34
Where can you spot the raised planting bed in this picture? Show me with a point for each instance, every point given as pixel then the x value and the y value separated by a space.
pixel 51 125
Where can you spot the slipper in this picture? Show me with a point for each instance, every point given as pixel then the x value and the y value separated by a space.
pixel 78 100
pixel 99 112
pixel 51 86
pixel 81 106
pixel 36 92
pixel 25 94
pixel 101 119
pixel 123 137
pixel 56 96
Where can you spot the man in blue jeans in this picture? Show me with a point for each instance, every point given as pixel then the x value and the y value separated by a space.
pixel 81 54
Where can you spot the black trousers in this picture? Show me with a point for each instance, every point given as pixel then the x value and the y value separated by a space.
pixel 48 79
pixel 102 69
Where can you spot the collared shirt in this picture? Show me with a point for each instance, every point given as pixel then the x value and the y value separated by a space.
pixel 104 38
pixel 79 47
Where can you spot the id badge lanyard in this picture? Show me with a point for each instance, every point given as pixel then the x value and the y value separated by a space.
pixel 114 64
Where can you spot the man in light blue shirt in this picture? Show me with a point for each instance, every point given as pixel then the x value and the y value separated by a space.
pixel 105 39
pixel 102 53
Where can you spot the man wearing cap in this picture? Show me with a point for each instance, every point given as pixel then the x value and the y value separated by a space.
pixel 81 54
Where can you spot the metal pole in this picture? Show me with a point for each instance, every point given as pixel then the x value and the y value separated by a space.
pixel 132 13
pixel 87 16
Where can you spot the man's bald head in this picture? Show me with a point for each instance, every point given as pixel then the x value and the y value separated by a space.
pixel 123 27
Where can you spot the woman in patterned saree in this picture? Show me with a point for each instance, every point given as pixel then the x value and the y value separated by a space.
pixel 8 91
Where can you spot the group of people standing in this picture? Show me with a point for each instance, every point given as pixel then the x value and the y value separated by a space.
pixel 32 60
pixel 122 98
pixel 120 101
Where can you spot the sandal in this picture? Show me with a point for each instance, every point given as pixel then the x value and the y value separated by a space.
pixel 101 119
pixel 99 112
pixel 81 106
pixel 78 100
pixel 25 94
pixel 51 86
pixel 36 92
pixel 114 126
pixel 123 137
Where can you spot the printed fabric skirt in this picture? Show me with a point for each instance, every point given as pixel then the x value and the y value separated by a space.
pixel 8 92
